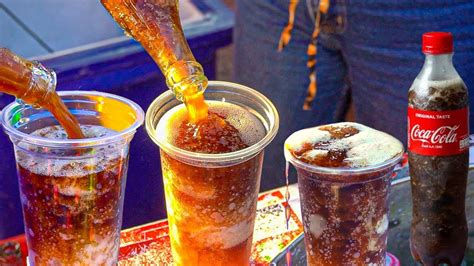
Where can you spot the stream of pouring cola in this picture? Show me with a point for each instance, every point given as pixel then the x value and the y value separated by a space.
pixel 35 85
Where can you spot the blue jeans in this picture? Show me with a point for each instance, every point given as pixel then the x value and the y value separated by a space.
pixel 369 52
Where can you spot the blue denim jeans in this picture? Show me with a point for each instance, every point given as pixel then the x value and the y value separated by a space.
pixel 369 52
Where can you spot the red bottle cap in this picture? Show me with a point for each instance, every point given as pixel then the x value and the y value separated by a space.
pixel 437 43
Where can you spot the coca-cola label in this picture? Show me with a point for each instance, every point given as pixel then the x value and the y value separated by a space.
pixel 438 133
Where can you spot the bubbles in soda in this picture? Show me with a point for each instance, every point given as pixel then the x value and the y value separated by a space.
pixel 345 212
pixel 439 229
pixel 71 200
pixel 211 210
pixel 228 128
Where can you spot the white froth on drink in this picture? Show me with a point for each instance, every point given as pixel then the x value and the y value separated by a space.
pixel 73 165
pixel 251 129
pixel 58 132
pixel 368 147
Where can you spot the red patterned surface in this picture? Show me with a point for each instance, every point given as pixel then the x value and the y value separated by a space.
pixel 149 244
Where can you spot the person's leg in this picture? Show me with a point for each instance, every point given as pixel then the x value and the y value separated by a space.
pixel 382 47
pixel 283 76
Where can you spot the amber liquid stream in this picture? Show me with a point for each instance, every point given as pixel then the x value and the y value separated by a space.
pixel 17 78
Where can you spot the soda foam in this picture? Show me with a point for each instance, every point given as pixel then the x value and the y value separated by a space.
pixel 58 132
pixel 249 126
pixel 82 165
pixel 437 89
pixel 356 145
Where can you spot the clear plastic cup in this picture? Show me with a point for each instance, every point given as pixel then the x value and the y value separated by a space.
pixel 72 190
pixel 344 211
pixel 211 199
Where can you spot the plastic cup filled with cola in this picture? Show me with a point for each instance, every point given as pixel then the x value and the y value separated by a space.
pixel 72 190
pixel 344 173
pixel 211 171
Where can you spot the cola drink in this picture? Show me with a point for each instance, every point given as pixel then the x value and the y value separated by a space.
pixel 72 190
pixel 212 210
pixel 211 171
pixel 344 172
pixel 71 207
pixel 438 149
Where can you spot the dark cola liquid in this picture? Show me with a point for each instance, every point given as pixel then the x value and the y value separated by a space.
pixel 439 227
pixel 345 224
pixel 345 215
pixel 72 207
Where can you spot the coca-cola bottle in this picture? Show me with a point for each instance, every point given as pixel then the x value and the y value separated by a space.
pixel 438 149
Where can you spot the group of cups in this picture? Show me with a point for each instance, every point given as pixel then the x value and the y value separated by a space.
pixel 72 190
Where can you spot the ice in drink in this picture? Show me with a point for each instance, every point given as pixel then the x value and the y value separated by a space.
pixel 211 171
pixel 72 190
pixel 211 210
pixel 344 172
pixel 71 207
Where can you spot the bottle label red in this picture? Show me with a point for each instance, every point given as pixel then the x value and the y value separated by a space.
pixel 438 133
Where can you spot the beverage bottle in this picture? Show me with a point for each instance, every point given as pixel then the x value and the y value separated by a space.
pixel 438 149
pixel 36 85
pixel 156 25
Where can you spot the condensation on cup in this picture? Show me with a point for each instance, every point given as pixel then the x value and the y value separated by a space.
pixel 344 173
pixel 212 181
pixel 72 190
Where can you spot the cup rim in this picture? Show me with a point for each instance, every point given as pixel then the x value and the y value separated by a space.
pixel 342 170
pixel 63 143
pixel 206 158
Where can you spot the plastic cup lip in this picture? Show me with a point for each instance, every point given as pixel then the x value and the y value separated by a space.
pixel 67 143
pixel 343 170
pixel 229 158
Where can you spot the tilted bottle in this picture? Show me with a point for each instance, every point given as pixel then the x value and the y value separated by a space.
pixel 438 149
pixel 156 25
pixel 36 85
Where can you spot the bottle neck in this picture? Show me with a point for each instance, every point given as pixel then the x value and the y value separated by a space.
pixel 43 83
pixel 185 77
pixel 438 67
pixel 156 25
pixel 29 81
